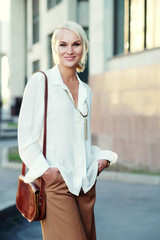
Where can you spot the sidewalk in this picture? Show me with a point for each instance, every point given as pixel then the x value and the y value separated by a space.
pixel 7 132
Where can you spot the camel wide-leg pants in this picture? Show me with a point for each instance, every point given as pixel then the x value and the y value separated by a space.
pixel 68 217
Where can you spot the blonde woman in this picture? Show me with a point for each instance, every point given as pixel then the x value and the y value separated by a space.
pixel 72 164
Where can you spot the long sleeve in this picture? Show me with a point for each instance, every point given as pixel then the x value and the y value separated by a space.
pixel 97 154
pixel 30 128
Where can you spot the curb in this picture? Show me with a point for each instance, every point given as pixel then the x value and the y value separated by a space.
pixel 130 178
pixel 6 136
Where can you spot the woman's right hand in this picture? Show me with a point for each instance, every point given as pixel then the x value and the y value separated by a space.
pixel 50 175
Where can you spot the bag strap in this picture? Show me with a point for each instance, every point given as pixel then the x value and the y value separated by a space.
pixel 45 131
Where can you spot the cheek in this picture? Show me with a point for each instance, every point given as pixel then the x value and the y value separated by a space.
pixel 80 51
pixel 60 51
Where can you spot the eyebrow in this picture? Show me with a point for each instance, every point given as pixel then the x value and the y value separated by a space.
pixel 73 42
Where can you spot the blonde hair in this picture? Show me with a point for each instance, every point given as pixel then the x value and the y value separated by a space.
pixel 76 28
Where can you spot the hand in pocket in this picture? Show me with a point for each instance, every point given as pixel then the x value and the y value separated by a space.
pixel 102 164
pixel 50 175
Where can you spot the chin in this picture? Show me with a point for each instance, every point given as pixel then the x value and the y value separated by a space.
pixel 70 65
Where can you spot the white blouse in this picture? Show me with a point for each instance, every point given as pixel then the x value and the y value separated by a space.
pixel 67 148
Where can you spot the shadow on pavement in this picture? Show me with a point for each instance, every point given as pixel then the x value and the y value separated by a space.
pixel 14 227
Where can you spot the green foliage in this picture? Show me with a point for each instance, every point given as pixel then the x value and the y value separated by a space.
pixel 13 155
pixel 12 125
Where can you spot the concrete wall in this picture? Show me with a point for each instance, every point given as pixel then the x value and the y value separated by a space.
pixel 126 114
pixel 96 36
pixel 126 94
pixel 135 60
pixel 17 48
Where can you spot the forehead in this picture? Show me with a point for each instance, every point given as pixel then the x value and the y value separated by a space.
pixel 67 35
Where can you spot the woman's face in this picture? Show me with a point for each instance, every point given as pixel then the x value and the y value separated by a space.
pixel 69 49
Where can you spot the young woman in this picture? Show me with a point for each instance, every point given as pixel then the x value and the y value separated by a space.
pixel 72 164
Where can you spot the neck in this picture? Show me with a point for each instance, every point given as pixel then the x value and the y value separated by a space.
pixel 67 74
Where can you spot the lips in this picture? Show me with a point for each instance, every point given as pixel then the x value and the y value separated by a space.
pixel 69 58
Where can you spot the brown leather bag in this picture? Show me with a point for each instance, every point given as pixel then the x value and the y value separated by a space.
pixel 31 199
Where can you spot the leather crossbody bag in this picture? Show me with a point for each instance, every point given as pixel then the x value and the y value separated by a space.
pixel 31 199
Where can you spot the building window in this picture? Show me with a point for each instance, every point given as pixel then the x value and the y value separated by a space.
pixel 119 27
pixel 137 24
pixel 137 13
pixel 50 58
pixel 35 9
pixel 84 75
pixel 52 3
pixel 153 24
pixel 36 66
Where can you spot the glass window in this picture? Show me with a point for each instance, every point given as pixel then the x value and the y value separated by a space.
pixel 36 66
pixel 141 25
pixel 50 58
pixel 52 3
pixel 137 26
pixel 84 75
pixel 126 26
pixel 153 24
pixel 119 27
pixel 35 9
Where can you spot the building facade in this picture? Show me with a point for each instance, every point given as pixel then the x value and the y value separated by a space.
pixel 125 79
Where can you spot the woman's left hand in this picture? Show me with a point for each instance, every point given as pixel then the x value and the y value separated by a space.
pixel 102 163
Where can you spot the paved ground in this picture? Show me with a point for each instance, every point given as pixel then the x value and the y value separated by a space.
pixel 124 211
pixel 8 178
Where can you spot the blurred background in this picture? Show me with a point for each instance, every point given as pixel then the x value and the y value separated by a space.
pixel 123 68
pixel 123 71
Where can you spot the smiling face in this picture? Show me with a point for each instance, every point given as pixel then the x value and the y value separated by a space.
pixel 69 48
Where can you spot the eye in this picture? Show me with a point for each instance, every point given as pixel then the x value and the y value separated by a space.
pixel 76 44
pixel 62 45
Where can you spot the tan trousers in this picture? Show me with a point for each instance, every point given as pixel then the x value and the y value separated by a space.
pixel 68 217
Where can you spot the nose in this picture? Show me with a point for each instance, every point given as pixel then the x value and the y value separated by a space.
pixel 69 50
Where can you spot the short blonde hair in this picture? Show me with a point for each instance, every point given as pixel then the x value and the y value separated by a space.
pixel 76 28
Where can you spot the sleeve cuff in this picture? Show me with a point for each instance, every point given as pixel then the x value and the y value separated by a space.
pixel 37 169
pixel 105 154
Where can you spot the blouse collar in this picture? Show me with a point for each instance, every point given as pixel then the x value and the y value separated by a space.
pixel 56 79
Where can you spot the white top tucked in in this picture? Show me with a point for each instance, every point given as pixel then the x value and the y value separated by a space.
pixel 67 148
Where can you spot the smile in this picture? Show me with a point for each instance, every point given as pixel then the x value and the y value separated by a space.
pixel 69 58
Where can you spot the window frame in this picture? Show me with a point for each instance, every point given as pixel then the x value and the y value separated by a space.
pixel 35 66
pixel 52 3
pixel 127 21
pixel 35 21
